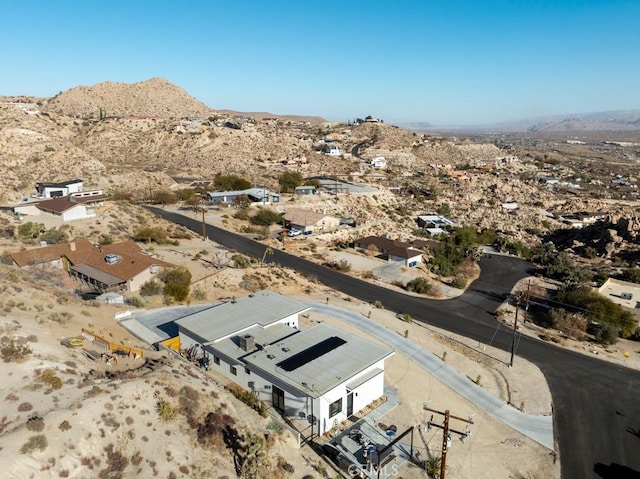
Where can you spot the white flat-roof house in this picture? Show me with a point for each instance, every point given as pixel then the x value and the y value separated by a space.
pixel 322 373
pixel 56 190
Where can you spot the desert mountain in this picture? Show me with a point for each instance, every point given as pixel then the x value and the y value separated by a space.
pixel 145 140
pixel 156 97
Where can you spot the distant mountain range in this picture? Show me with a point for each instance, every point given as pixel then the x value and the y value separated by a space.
pixel 605 121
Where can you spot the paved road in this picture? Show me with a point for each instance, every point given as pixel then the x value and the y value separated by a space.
pixel 596 404
pixel 538 428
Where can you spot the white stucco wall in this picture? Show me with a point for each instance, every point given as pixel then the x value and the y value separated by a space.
pixel 77 213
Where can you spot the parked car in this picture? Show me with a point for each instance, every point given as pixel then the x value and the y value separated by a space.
pixel 294 232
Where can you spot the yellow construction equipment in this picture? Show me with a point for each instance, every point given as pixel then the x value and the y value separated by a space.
pixel 110 345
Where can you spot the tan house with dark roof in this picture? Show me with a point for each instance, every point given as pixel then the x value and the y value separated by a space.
pixel 310 221
pixel 116 267
pixel 395 251
pixel 74 207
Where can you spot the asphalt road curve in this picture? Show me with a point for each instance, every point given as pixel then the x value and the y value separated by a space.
pixel 596 404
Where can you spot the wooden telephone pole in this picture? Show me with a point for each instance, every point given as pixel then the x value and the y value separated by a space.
pixel 446 434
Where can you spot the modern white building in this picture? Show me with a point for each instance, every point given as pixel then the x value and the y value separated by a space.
pixel 57 190
pixel 321 374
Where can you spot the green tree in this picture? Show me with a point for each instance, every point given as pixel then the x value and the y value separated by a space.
pixel 289 180
pixel 164 197
pixel 598 309
pixel 176 283
pixel 185 194
pixel 631 274
pixel 604 333
pixel 266 217
pixel 30 230
pixel 241 202
pixel 230 182
pixel 55 236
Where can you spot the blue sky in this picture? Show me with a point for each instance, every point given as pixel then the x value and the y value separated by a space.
pixel 446 62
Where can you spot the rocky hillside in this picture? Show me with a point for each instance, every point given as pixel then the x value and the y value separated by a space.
pixel 156 97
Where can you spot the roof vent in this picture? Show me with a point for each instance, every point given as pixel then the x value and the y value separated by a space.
pixel 271 356
pixel 112 258
pixel 286 350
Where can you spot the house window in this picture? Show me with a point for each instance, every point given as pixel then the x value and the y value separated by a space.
pixel 247 371
pixel 216 360
pixel 335 407
pixel 233 370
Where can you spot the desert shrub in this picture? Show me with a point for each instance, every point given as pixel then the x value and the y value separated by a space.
pixel 5 258
pixel 35 423
pixel 250 400
pixel 189 400
pixel 25 406
pixel 604 333
pixel 378 304
pixel 266 217
pixel 64 425
pixel 598 309
pixel 34 442
pixel 55 236
pixel 199 294
pixel 419 285
pixel 572 324
pixel 60 317
pixel 135 301
pixel 149 234
pixel 165 411
pixel 343 265
pixel 116 463
pixel 150 288
pixel 30 230
pixel 458 282
pixel 241 215
pixel 240 261
pixel 176 283
pixel 12 349
pixel 49 377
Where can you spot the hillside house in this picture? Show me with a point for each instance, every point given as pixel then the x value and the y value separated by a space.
pixel 393 250
pixel 379 162
pixel 322 374
pixel 116 267
pixel 57 190
pixel 331 150
pixel 305 190
pixel 434 224
pixel 309 221
pixel 257 196
pixel 76 206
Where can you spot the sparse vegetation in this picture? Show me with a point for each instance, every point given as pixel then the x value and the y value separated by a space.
pixel 13 349
pixel 38 442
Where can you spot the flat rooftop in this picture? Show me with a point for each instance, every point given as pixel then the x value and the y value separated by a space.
pixel 262 309
pixel 318 359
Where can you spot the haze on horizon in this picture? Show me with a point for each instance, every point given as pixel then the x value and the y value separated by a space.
pixel 447 63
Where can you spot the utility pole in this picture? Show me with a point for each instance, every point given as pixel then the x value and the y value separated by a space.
pixel 446 434
pixel 526 306
pixel 515 330
pixel 204 224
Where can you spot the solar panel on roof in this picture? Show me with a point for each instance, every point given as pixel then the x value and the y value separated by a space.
pixel 311 354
